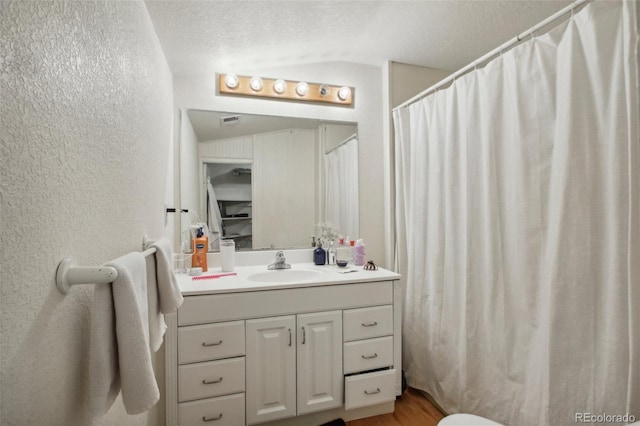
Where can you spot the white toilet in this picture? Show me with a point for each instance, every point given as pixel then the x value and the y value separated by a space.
pixel 466 420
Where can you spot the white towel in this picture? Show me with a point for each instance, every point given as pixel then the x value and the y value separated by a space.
pixel 164 293
pixel 168 289
pixel 119 347
pixel 157 325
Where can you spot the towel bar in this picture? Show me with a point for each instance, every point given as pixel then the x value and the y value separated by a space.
pixel 69 274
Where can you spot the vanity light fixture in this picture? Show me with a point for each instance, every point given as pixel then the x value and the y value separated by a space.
pixel 256 86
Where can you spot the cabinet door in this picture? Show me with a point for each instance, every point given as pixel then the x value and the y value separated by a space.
pixel 320 380
pixel 271 369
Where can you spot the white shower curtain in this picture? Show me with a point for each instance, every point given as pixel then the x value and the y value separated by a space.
pixel 341 188
pixel 518 225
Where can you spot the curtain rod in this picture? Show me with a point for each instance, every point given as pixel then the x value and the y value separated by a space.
pixel 353 136
pixel 499 50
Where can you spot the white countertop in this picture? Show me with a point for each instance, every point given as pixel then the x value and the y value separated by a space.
pixel 242 281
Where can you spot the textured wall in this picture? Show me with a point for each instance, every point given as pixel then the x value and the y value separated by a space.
pixel 86 123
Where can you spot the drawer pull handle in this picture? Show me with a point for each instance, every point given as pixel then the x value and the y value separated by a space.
pixel 304 336
pixel 219 342
pixel 370 324
pixel 211 419
pixel 370 356
pixel 211 382
pixel 372 393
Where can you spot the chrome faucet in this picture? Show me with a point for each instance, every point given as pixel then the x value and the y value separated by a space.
pixel 281 262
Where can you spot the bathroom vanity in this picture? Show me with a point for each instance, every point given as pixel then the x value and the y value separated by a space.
pixel 301 346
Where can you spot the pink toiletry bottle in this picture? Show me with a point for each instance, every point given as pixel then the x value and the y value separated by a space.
pixel 359 253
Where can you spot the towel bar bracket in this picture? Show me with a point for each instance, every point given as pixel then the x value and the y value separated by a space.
pixel 68 274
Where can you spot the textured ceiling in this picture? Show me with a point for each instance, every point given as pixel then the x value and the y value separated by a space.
pixel 207 36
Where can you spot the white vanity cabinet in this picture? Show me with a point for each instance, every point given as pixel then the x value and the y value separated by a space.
pixel 284 355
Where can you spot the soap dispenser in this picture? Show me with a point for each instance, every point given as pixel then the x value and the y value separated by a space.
pixel 319 255
pixel 199 247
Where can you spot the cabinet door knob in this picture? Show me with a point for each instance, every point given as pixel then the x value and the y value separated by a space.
pixel 372 392
pixel 219 342
pixel 370 324
pixel 211 382
pixel 211 419
pixel 375 355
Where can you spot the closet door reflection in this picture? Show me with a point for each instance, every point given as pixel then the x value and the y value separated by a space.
pixel 284 187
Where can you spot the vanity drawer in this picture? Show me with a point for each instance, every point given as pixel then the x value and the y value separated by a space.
pixel 211 378
pixel 210 341
pixel 221 411
pixel 366 323
pixel 370 354
pixel 369 389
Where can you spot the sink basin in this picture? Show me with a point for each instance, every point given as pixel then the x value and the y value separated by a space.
pixel 285 275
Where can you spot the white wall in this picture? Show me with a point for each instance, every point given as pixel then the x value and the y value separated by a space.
pixel 85 128
pixel 401 82
pixel 200 92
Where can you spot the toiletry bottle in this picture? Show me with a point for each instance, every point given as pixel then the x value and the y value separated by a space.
pixel 319 255
pixel 227 255
pixel 199 247
pixel 331 254
pixel 351 254
pixel 358 259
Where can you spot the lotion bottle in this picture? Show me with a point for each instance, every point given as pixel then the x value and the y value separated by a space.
pixel 199 246
pixel 359 253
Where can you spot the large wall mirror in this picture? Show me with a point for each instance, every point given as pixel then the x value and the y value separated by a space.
pixel 266 181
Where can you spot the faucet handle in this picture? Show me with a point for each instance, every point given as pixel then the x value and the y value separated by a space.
pixel 280 255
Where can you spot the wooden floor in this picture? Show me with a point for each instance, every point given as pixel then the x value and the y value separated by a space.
pixel 411 409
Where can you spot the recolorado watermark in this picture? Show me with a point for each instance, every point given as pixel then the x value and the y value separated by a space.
pixel 604 418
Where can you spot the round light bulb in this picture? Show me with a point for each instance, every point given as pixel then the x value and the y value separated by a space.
pixel 279 86
pixel 231 80
pixel 256 84
pixel 344 93
pixel 302 88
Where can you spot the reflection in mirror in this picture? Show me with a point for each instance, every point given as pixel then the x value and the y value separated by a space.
pixel 266 181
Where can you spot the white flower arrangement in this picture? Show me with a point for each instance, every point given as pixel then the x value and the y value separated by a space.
pixel 325 233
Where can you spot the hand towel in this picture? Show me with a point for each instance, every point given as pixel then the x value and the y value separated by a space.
pixel 168 289
pixel 119 347
pixel 157 325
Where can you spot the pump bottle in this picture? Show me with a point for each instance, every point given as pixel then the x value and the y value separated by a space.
pixel 199 246
pixel 319 255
